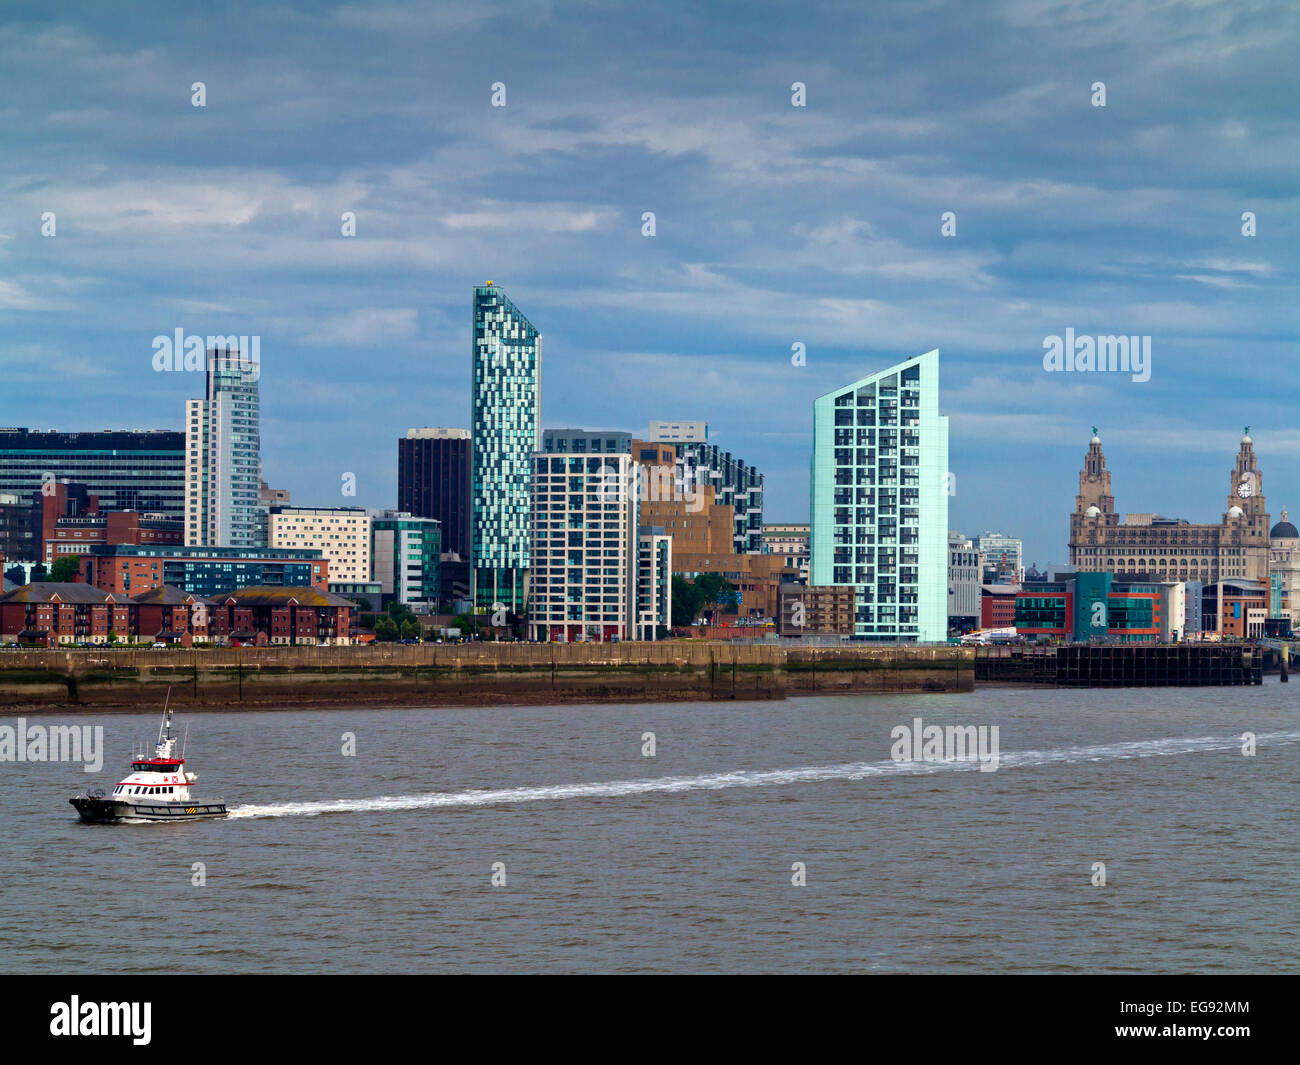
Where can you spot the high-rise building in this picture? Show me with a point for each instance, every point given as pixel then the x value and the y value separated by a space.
pixel 341 534
pixel 880 500
pixel 735 484
pixel 584 581
pixel 654 582
pixel 137 469
pixel 1153 548
pixel 505 431
pixel 433 481
pixel 1001 557
pixel 223 456
pixel 405 551
pixel 964 579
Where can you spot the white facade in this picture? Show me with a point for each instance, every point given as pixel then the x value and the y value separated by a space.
pixel 654 591
pixel 788 538
pixel 341 534
pixel 435 433
pixel 678 433
pixel 223 465
pixel 1173 601
pixel 583 580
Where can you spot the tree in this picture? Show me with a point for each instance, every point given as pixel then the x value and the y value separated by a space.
pixel 66 568
pixel 362 603
pixel 112 635
pixel 687 601
pixel 410 629
pixel 467 625
pixel 715 590
pixel 386 630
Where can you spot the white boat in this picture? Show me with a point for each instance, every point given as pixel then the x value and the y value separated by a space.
pixel 158 789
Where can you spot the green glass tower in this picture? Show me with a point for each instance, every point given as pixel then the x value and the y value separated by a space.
pixel 505 432
pixel 879 491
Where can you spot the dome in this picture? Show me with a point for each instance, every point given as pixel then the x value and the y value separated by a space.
pixel 1234 512
pixel 1283 530
pixel 1092 512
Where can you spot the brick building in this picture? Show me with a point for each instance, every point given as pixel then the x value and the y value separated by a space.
pixel 206 571
pixel 818 610
pixel 51 614
pixel 276 615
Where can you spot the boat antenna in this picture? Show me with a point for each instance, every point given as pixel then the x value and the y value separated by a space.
pixel 166 703
pixel 185 741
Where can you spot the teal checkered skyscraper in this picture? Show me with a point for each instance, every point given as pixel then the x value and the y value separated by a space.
pixel 505 430
pixel 880 500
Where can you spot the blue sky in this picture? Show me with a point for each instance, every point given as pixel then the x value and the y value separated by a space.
pixel 775 225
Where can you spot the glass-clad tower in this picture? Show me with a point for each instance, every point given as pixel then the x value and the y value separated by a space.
pixel 505 432
pixel 880 500
pixel 224 455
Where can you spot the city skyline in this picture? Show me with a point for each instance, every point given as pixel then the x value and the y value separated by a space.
pixel 775 225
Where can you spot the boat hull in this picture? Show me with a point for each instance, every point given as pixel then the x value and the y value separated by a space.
pixel 103 810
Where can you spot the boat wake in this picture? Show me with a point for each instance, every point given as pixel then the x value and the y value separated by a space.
pixel 612 789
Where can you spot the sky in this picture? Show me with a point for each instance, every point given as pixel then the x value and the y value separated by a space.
pixel 774 225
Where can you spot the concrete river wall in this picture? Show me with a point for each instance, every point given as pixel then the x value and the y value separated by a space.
pixel 468 674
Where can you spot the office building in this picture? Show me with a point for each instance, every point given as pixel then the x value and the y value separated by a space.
pixel 964 579
pixel 138 469
pixel 788 538
pixel 880 500
pixel 1096 607
pixel 405 552
pixel 131 569
pixel 19 540
pixel 433 481
pixel 1149 547
pixel 1001 558
pixel 223 461
pixel 340 534
pixel 505 433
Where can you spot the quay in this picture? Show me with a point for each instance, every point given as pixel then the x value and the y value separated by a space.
pixel 471 674
pixel 1122 665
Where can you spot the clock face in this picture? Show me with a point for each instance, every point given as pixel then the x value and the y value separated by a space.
pixel 1245 489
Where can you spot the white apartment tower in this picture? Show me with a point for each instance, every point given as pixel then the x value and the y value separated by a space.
pixel 584 550
pixel 223 463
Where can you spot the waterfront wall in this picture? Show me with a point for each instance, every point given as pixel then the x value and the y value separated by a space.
pixel 474 673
